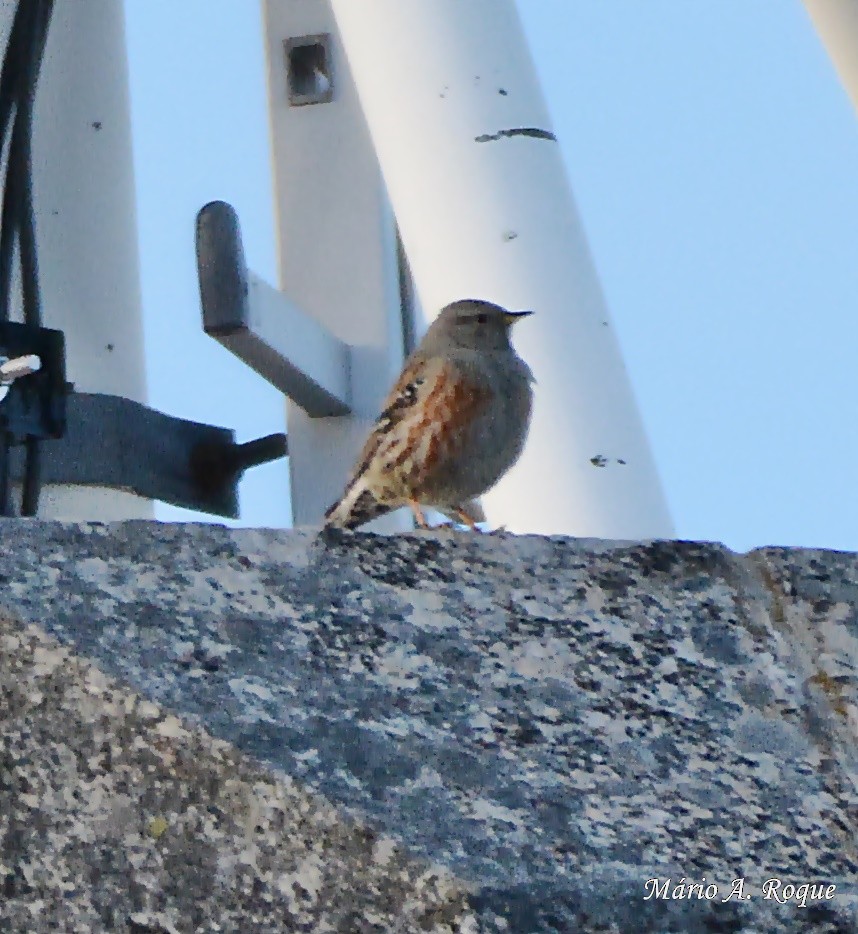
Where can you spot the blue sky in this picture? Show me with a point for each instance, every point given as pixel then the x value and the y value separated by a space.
pixel 713 156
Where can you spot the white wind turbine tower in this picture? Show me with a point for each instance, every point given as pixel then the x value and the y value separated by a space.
pixel 427 119
pixel 414 164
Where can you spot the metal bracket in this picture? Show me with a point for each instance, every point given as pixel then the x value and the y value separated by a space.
pixel 115 442
pixel 250 318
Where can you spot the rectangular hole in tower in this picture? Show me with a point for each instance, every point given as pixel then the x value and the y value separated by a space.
pixel 308 66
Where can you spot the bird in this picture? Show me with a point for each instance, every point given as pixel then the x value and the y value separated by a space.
pixel 453 424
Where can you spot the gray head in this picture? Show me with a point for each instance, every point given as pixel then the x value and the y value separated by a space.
pixel 471 324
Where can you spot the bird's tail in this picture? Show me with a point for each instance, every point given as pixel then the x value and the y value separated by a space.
pixel 354 509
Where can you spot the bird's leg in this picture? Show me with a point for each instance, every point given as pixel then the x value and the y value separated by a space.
pixel 466 519
pixel 419 518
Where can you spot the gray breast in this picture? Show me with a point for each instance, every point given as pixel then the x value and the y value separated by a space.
pixel 495 439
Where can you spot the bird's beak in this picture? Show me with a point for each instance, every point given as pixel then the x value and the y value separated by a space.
pixel 510 317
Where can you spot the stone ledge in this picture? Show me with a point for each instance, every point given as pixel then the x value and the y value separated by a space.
pixel 118 818
pixel 431 732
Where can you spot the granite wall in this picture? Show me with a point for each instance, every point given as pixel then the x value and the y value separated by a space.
pixel 205 729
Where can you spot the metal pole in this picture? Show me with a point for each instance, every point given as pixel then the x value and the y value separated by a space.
pixel 836 21
pixel 337 243
pixel 85 223
pixel 480 193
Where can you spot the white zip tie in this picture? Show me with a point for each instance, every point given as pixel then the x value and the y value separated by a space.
pixel 13 369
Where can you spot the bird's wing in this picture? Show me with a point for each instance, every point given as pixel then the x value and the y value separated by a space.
pixel 419 429
pixel 404 399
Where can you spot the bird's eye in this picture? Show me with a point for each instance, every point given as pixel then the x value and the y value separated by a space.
pixel 481 319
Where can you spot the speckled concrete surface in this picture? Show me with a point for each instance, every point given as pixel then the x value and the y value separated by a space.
pixel 115 817
pixel 542 724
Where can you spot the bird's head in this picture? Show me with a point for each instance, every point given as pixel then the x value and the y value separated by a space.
pixel 472 324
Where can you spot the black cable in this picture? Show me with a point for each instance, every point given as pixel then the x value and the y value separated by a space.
pixel 24 155
pixel 5 450
pixel 10 72
pixel 10 75
pixel 32 482
pixel 18 79
pixel 31 485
